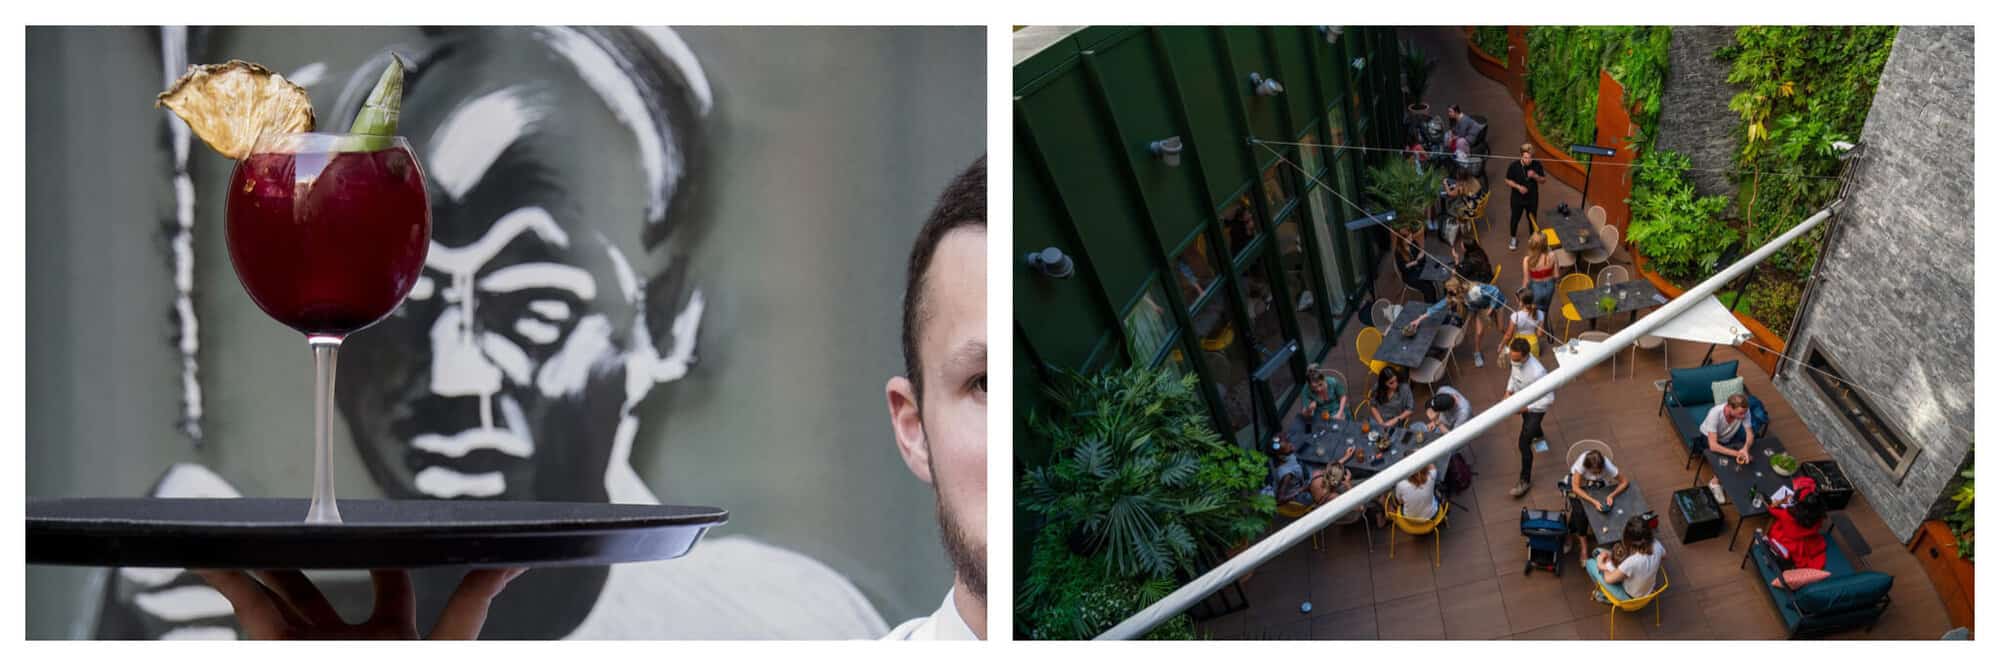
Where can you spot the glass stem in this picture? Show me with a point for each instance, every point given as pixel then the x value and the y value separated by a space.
pixel 326 351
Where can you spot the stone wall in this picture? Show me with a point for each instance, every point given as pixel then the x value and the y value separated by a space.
pixel 1895 308
pixel 1695 119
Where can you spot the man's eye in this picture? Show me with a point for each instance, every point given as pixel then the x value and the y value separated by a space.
pixel 979 383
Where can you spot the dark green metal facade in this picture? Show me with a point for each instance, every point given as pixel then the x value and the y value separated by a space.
pixel 1141 233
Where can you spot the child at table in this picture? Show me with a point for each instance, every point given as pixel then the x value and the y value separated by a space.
pixel 1629 568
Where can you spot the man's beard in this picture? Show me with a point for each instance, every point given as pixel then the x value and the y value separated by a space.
pixel 967 559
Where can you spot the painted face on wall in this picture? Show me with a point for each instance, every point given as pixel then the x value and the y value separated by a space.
pixel 541 318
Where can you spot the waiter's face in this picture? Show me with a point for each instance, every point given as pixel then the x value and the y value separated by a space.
pixel 944 439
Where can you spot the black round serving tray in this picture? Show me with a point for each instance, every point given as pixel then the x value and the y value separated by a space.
pixel 270 533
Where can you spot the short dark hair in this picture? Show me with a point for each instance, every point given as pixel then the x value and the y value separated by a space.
pixel 1519 345
pixel 963 204
pixel 1454 109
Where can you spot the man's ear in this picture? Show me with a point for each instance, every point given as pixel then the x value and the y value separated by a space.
pixel 908 424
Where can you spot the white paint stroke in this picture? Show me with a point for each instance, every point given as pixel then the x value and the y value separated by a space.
pixel 150 576
pixel 683 58
pixel 199 634
pixel 309 75
pixel 446 484
pixel 567 372
pixel 469 258
pixel 661 161
pixel 504 354
pixel 457 367
pixel 424 288
pixel 537 331
pixel 538 275
pixel 185 603
pixel 552 310
pixel 477 439
pixel 173 59
pixel 475 134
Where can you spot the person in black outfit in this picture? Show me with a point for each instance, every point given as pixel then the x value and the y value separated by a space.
pixel 1524 179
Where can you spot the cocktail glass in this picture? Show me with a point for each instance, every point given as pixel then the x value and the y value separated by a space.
pixel 328 233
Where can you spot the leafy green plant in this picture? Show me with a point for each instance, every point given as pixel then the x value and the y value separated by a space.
pixel 1492 39
pixel 1400 186
pixel 1801 89
pixel 1563 65
pixel 1139 495
pixel 1680 233
pixel 1416 71
pixel 1960 518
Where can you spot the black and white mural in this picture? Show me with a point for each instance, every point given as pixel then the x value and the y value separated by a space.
pixel 594 266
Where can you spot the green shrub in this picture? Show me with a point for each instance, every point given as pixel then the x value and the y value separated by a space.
pixel 1492 39
pixel 1140 495
pixel 1680 233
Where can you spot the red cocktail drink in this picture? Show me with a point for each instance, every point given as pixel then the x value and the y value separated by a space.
pixel 328 241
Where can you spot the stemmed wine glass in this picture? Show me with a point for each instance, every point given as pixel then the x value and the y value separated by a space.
pixel 328 233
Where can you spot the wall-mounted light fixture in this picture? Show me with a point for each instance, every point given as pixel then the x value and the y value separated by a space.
pixel 1051 262
pixel 1331 33
pixel 1168 150
pixel 1265 87
pixel 1359 63
pixel 1843 149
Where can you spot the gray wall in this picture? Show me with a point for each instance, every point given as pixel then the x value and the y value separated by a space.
pixel 1695 119
pixel 1907 331
pixel 826 149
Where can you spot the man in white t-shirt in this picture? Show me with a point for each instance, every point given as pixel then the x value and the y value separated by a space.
pixel 1728 423
pixel 937 408
pixel 1526 370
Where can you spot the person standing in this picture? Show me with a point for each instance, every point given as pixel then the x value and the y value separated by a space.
pixel 1524 178
pixel 1526 370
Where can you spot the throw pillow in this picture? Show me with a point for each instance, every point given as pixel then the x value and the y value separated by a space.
pixel 1797 578
pixel 1692 386
pixel 1725 388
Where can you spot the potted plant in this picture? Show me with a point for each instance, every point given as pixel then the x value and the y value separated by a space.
pixel 1606 304
pixel 1416 77
pixel 1784 464
pixel 1409 192
pixel 1140 494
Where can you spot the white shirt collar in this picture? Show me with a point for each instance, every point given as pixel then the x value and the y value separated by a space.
pixel 943 625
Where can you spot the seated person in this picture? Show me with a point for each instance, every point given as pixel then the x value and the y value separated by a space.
pixel 1796 514
pixel 1627 569
pixel 1418 494
pixel 1728 423
pixel 1330 481
pixel 1320 396
pixel 1288 477
pixel 1591 469
pixel 1445 411
pixel 1393 406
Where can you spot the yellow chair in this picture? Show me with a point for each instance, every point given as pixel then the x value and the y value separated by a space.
pixel 1295 511
pixel 1569 283
pixel 1414 527
pixel 1554 239
pixel 1365 344
pixel 1634 604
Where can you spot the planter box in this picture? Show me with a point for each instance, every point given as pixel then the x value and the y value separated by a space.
pixel 1937 551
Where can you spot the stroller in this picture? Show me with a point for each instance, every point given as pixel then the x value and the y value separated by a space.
pixel 1546 532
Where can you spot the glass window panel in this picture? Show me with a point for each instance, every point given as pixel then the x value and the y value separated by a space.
pixel 1147 325
pixel 1194 270
pixel 1277 184
pixel 1267 329
pixel 1309 156
pixel 1239 225
pixel 1299 286
pixel 1223 355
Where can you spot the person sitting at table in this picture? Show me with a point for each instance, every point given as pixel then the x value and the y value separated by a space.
pixel 1288 476
pixel 1332 480
pixel 1727 424
pixel 1321 396
pixel 1445 410
pixel 1794 533
pixel 1524 324
pixel 1409 251
pixel 1591 470
pixel 1628 568
pixel 1391 404
pixel 1418 494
